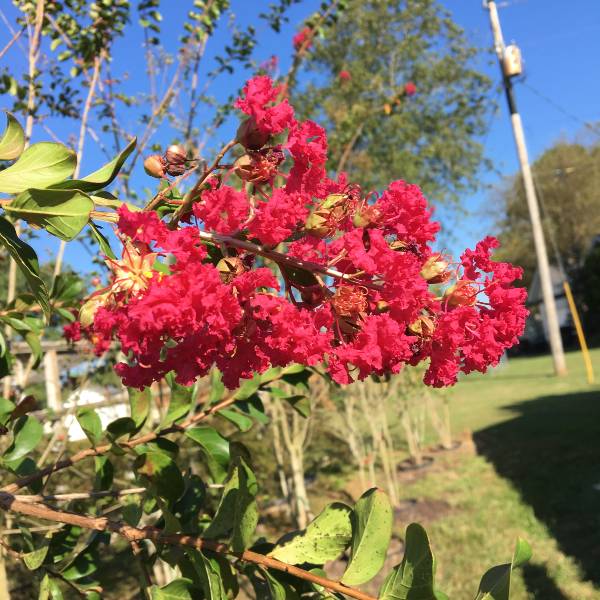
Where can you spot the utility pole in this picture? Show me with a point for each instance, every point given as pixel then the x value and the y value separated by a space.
pixel 556 347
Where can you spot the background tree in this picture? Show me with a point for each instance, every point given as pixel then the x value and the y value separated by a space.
pixel 567 177
pixel 426 131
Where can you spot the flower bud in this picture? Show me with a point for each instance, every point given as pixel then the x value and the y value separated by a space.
pixel 312 295
pixel 462 293
pixel 250 136
pixel 229 268
pixel 316 224
pixel 382 307
pixel 366 216
pixel 434 269
pixel 423 327
pixel 155 166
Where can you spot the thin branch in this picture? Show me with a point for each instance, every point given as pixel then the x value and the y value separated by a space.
pixel 284 259
pixel 349 147
pixel 34 53
pixel 126 445
pixel 134 534
pixel 82 131
pixel 78 495
pixel 12 40
pixel 191 195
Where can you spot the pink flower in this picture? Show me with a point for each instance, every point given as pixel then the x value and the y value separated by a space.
pixel 260 102
pixel 410 89
pixel 223 209
pixel 304 269
pixel 276 219
pixel 344 76
pixel 72 331
pixel 303 38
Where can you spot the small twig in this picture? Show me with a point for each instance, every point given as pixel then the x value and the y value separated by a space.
pixel 14 38
pixel 79 495
pixel 191 195
pixel 100 450
pixel 283 259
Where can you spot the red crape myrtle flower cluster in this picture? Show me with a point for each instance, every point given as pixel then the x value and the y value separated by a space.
pixel 277 263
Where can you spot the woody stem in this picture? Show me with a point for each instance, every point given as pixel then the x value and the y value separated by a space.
pixel 282 259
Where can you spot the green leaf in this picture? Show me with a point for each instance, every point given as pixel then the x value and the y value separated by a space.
pixel 27 433
pixel 120 427
pixel 87 557
pixel 325 538
pixel 372 522
pixel 49 589
pixel 180 403
pixel 33 560
pixel 495 584
pixel 39 166
pixel 162 471
pixel 242 422
pixel 248 388
pixel 215 574
pixel 63 213
pixel 102 177
pixel 237 512
pixel 178 589
pixel 90 422
pixel 12 141
pixel 102 241
pixel 139 404
pixel 33 341
pixel 104 472
pixel 413 577
pixel 215 449
pixel 27 261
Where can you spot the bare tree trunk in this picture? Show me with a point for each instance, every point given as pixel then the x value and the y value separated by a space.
pixel 440 420
pixel 82 132
pixel 293 431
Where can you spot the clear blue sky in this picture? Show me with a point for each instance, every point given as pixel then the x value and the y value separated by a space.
pixel 560 42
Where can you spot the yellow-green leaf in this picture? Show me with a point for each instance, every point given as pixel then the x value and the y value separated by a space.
pixel 12 141
pixel 40 166
pixel 63 213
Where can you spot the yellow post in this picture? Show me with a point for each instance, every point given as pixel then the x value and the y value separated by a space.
pixel 578 327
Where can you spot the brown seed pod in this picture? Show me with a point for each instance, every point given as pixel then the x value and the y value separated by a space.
pixel 229 268
pixel 155 166
pixel 250 136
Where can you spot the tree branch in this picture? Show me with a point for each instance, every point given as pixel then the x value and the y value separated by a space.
pixel 191 195
pixel 134 534
pixel 99 450
pixel 284 259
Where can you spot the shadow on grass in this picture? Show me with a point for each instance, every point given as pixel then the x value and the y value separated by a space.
pixel 540 584
pixel 551 453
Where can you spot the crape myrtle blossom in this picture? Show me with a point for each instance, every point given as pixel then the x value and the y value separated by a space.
pixel 271 268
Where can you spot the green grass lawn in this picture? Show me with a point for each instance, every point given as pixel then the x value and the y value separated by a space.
pixel 534 471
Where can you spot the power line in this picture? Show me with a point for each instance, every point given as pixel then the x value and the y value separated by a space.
pixel 561 109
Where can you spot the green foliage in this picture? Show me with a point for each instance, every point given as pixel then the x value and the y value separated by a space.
pixel 237 513
pixel 63 213
pixel 371 534
pixel 430 138
pixel 26 435
pixel 27 261
pixel 12 141
pixel 90 423
pixel 323 540
pixel 495 584
pixel 39 166
pixel 414 576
